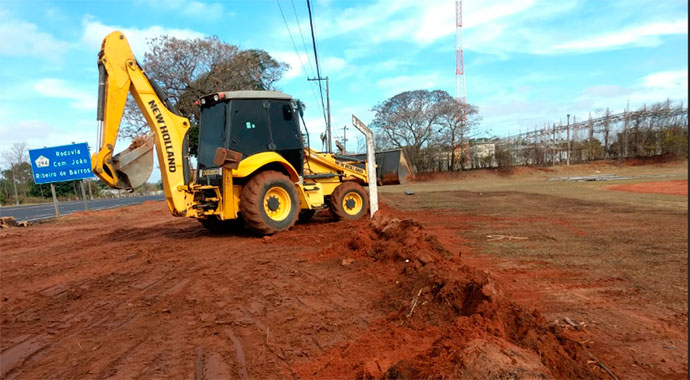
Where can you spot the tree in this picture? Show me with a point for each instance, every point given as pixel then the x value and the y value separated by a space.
pixel 189 69
pixel 407 121
pixel 16 155
pixel 456 119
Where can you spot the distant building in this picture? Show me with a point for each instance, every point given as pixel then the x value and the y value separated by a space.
pixel 477 154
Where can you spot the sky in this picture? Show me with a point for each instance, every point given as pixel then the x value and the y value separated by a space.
pixel 527 62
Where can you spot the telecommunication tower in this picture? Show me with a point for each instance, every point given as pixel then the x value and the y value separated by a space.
pixel 459 60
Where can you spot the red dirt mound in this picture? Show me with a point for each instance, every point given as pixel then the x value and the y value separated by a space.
pixel 445 320
pixel 677 187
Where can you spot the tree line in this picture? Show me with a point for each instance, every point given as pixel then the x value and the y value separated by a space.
pixel 657 130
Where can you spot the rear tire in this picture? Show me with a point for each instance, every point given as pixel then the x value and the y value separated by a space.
pixel 269 203
pixel 349 201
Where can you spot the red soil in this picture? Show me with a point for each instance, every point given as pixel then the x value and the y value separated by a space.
pixel 135 293
pixel 677 187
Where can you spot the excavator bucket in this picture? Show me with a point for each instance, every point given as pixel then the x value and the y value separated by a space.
pixel 391 167
pixel 135 164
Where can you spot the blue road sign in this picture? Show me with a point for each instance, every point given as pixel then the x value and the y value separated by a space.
pixel 61 163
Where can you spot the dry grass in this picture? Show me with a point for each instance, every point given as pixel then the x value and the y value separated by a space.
pixel 535 181
pixel 641 239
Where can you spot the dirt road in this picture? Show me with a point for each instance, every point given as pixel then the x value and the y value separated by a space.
pixel 136 293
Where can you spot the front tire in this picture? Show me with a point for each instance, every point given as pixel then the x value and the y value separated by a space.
pixel 349 201
pixel 269 203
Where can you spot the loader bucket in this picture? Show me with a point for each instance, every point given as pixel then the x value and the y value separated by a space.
pixel 391 167
pixel 135 164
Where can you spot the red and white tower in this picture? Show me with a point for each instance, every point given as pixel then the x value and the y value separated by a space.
pixel 459 60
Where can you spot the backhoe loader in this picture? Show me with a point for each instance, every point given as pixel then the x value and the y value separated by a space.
pixel 252 162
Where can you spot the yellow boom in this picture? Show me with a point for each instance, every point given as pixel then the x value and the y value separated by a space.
pixel 119 75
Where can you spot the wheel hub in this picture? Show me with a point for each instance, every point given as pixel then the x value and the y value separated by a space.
pixel 273 203
pixel 277 203
pixel 352 203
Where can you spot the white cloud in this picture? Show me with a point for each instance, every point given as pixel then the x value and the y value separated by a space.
pixel 606 91
pixel 296 62
pixel 39 134
pixel 642 35
pixel 497 27
pixel 20 38
pixel 60 89
pixel 650 89
pixel 197 9
pixel 95 31
pixel 437 19
pixel 394 85
pixel 24 130
pixel 511 110
pixel 333 64
pixel 421 22
pixel 301 67
pixel 670 80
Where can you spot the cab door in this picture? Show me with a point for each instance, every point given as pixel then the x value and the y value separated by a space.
pixel 249 133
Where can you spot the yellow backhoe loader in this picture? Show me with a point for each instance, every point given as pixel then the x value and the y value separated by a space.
pixel 252 161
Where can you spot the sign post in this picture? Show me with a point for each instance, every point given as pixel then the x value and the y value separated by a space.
pixel 55 204
pixel 371 164
pixel 83 195
pixel 61 163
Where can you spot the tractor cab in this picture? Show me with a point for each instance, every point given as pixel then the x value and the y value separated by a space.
pixel 248 122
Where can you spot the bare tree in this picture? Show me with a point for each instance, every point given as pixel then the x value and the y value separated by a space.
pixel 456 120
pixel 15 156
pixel 407 120
pixel 189 69
pixel 175 64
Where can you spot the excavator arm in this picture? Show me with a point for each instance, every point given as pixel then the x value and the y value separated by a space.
pixel 120 75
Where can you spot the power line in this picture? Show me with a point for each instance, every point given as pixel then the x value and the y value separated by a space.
pixel 304 47
pixel 316 59
pixel 297 52
pixel 304 44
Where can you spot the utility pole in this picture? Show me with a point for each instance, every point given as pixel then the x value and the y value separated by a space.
pixel 345 139
pixel 568 136
pixel 553 144
pixel 328 110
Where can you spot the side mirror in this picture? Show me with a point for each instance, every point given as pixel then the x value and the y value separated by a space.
pixel 227 158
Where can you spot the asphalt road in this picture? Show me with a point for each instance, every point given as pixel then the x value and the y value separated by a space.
pixel 47 210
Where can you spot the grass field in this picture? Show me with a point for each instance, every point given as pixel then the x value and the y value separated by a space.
pixel 617 260
pixel 639 235
pixel 536 181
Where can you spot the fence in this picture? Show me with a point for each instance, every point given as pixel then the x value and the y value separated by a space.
pixel 661 129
